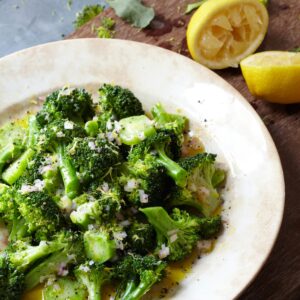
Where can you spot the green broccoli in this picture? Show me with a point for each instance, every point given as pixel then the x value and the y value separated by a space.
pixel 137 275
pixel 59 262
pixel 55 137
pixel 117 103
pixel 12 281
pixel 93 157
pixel 93 276
pixel 203 180
pixel 65 288
pixel 141 238
pixel 41 214
pixel 179 232
pixel 159 144
pixel 66 103
pixel 99 245
pixel 100 204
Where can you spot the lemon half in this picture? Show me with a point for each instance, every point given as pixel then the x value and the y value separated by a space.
pixel 223 32
pixel 273 75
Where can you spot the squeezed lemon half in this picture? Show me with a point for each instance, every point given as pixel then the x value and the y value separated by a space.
pixel 273 75
pixel 223 32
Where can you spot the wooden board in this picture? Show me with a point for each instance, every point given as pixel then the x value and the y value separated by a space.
pixel 280 276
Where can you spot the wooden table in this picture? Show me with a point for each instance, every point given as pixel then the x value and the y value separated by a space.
pixel 280 276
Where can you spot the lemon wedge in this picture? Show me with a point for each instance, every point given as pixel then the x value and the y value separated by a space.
pixel 273 75
pixel 223 32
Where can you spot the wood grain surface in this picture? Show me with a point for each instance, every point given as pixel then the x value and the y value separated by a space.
pixel 280 276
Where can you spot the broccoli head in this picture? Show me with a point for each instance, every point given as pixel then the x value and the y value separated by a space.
pixel 93 276
pixel 68 103
pixel 141 238
pixel 12 281
pixel 117 103
pixel 203 180
pixel 7 203
pixel 137 275
pixel 93 157
pixel 159 145
pixel 41 214
pixel 179 232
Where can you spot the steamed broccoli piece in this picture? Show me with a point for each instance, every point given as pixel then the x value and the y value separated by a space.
pixel 17 168
pixel 184 197
pixel 101 204
pixel 134 130
pixel 179 232
pixel 203 180
pixel 59 262
pixel 11 280
pixel 66 103
pixel 22 254
pixel 9 153
pixel 210 227
pixel 41 214
pixel 159 143
pixel 93 277
pixel 137 274
pixel 99 245
pixel 167 121
pixel 93 157
pixel 117 103
pixel 55 137
pixel 141 238
pixel 65 288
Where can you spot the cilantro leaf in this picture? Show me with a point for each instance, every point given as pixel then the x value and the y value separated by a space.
pixel 133 11
pixel 88 13
pixel 192 6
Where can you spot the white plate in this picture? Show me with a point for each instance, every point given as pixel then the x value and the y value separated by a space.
pixel 227 124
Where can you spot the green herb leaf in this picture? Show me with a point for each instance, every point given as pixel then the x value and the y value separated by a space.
pixel 88 13
pixel 194 6
pixel 133 11
pixel 105 31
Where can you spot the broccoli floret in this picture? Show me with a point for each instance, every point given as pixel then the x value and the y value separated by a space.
pixel 22 254
pixel 11 280
pixel 41 214
pixel 65 288
pixel 7 203
pixel 88 13
pixel 101 204
pixel 210 227
pixel 141 238
pixel 99 245
pixel 145 181
pixel 55 137
pixel 58 262
pixel 117 103
pixel 183 197
pixel 179 233
pixel 66 103
pixel 164 120
pixel 137 274
pixel 159 143
pixel 93 157
pixel 93 277
pixel 203 180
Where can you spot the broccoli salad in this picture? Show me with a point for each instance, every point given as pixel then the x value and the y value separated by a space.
pixel 97 193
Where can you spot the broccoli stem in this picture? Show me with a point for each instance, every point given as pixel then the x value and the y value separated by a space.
pixel 18 230
pixel 32 132
pixel 144 286
pixel 68 172
pixel 9 153
pixel 17 168
pixel 174 170
pixel 47 267
pixel 130 287
pixel 91 128
pixel 160 219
